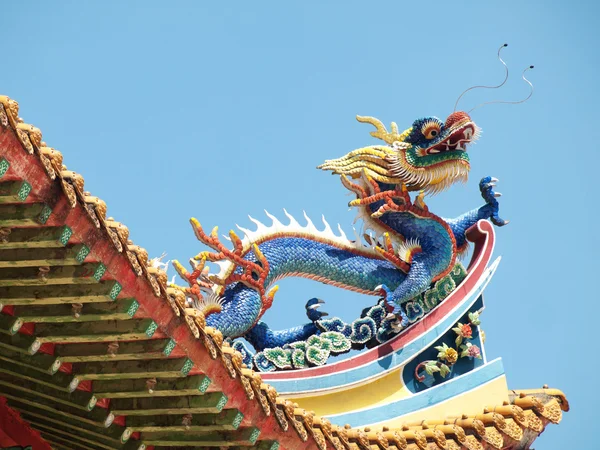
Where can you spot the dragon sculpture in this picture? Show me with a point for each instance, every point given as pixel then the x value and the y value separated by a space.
pixel 413 249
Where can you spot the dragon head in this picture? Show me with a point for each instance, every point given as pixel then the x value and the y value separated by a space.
pixel 430 155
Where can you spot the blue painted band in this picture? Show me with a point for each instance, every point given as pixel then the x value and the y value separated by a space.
pixel 425 399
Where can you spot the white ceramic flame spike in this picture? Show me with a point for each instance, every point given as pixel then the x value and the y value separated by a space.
pixel 293 222
pixel 327 229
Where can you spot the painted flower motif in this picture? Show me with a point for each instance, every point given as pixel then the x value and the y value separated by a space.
pixel 463 332
pixel 474 352
pixel 447 354
pixel 470 350
pixel 466 331
pixel 451 356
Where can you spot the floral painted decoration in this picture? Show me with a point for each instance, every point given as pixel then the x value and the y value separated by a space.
pixel 470 350
pixel 448 356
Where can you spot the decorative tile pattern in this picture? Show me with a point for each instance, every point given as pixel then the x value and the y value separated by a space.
pixel 222 403
pixel 151 329
pixel 237 421
pixel 254 436
pixel 24 191
pixel 44 214
pixel 65 235
pixel 115 291
pixel 204 386
pixel 4 165
pixel 133 308
pixel 169 348
pixel 187 367
pixel 99 272
pixel 82 254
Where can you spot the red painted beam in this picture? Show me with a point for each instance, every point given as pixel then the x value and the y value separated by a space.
pixel 5 440
pixel 16 430
pixel 29 168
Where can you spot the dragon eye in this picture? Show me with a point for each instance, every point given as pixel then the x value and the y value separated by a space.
pixel 430 130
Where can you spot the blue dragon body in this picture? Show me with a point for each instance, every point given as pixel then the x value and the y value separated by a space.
pixel 412 247
pixel 289 256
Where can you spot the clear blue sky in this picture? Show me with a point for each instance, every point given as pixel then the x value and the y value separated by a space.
pixel 221 110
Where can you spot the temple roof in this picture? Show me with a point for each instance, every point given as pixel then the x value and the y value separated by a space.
pixel 98 352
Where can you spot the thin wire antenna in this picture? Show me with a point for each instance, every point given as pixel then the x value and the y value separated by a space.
pixel 511 103
pixel 487 87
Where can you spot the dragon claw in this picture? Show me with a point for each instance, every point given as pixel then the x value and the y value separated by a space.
pixel 397 322
pixel 314 303
pixel 499 222
pixel 312 309
pixel 397 312
pixel 486 186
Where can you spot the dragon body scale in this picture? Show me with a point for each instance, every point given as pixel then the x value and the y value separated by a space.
pixel 413 247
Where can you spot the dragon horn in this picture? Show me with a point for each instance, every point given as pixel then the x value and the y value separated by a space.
pixel 237 242
pixel 382 132
pixel 181 271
